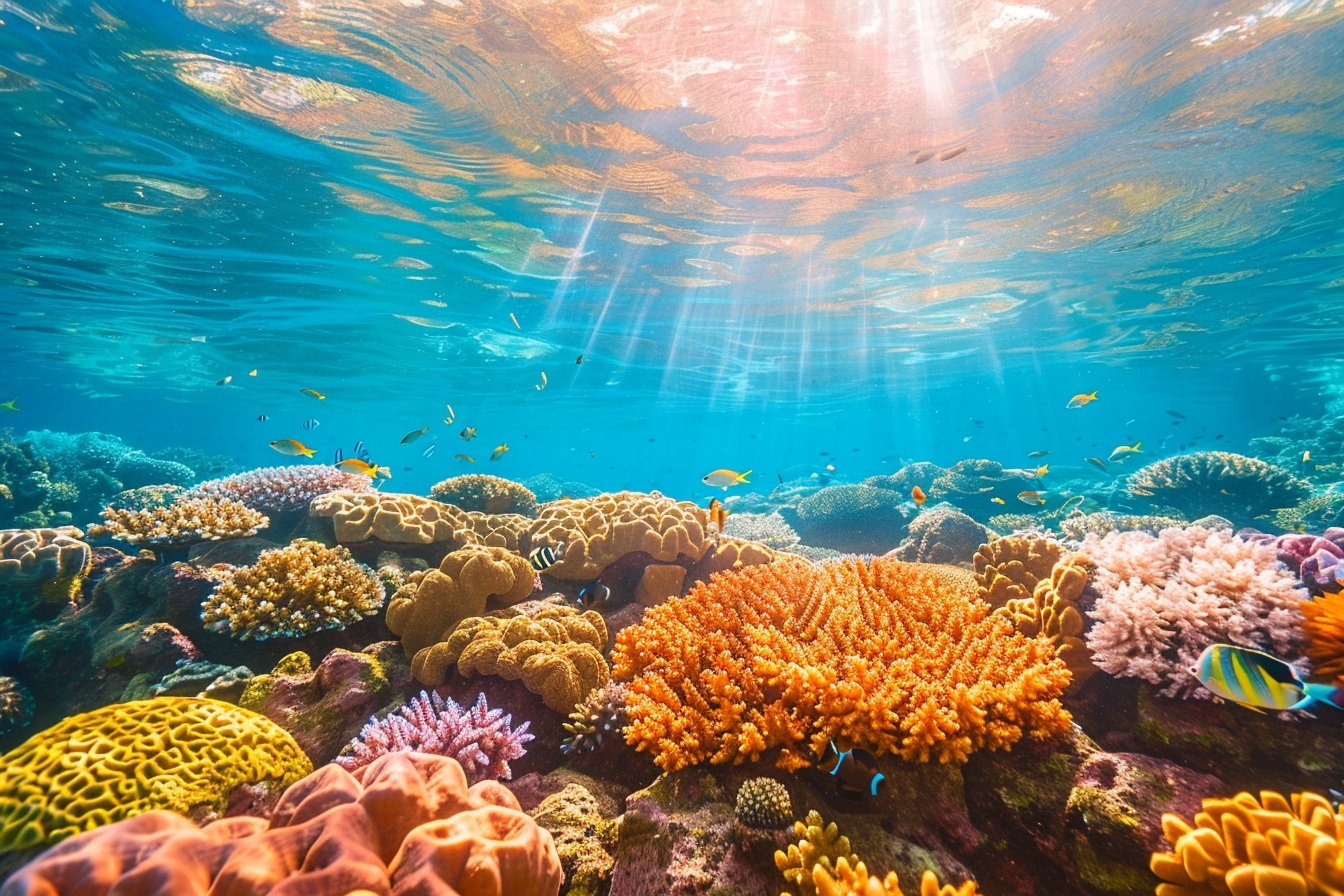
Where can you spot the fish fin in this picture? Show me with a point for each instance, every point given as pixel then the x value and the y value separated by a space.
pixel 878 780
pixel 1322 693
pixel 832 755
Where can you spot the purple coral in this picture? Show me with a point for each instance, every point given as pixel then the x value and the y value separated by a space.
pixel 1164 598
pixel 283 489
pixel 480 738
pixel 1315 559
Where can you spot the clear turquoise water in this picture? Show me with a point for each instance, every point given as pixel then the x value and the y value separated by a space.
pixel 717 204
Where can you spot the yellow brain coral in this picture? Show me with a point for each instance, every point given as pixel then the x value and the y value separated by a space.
pixel 54 559
pixel 1249 847
pixel 430 605
pixel 894 657
pixel 390 517
pixel 291 591
pixel 554 649
pixel 172 753
pixel 597 532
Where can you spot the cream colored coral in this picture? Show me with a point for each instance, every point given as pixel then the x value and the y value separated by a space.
pixel 184 522
pixel 390 517
pixel 291 591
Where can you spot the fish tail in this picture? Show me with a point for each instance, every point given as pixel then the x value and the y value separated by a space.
pixel 832 756
pixel 741 477
pixel 309 452
pixel 1323 693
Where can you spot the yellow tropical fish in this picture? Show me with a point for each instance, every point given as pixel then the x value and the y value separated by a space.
pixel 500 451
pixel 466 457
pixel 1097 462
pixel 468 433
pixel 1306 457
pixel 451 416
pixel 9 405
pixel 724 478
pixel 1081 399
pixel 1042 470
pixel 355 465
pixel 1030 497
pixel 293 447
pixel 1123 451
pixel 414 434
pixel 314 393
pixel 543 383
pixel 996 499
pixel 252 372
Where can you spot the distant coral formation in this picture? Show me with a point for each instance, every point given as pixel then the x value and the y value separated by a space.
pixel 481 739
pixel 1241 489
pixel 894 657
pixel 1164 598
pixel 942 534
pixel 856 518
pixel 291 591
pixel 486 494
pixel 768 529
pixel 282 489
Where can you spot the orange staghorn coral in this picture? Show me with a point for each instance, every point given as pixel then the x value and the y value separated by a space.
pixel 894 657
pixel 1324 626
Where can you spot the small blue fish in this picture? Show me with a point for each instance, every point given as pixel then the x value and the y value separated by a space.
pixel 1259 681
pixel 594 595
pixel 855 772
pixel 429 452
pixel 311 424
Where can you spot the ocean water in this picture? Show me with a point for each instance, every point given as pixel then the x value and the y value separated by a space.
pixel 636 242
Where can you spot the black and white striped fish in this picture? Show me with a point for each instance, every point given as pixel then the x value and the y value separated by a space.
pixel 311 424
pixel 544 558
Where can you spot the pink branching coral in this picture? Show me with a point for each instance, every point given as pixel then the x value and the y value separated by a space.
pixel 480 738
pixel 282 489
pixel 1164 598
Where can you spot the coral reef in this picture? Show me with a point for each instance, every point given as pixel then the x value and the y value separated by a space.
pixel 597 532
pixel 16 705
pixel 1241 489
pixel 854 518
pixel 198 678
pixel 1315 559
pixel 1163 599
pixel 764 803
pixel 486 494
pixel 819 845
pixel 389 517
pixel 1010 568
pixel 1052 612
pixel 481 739
pixel 942 534
pixel 180 523
pixel 890 656
pixel 727 553
pixel 56 560
pixel 596 716
pixel 427 609
pixel 856 882
pixel 125 759
pixel 555 650
pixel 971 485
pixel 291 591
pixel 276 490
pixel 1261 847
pixel 548 487
pixel 768 529
pixel 407 824
pixel 575 818
pixel 1324 626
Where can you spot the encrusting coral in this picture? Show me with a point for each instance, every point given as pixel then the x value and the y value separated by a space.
pixel 282 489
pixel 554 649
pixel 121 760
pixel 406 825
pixel 1324 625
pixel 389 517
pixel 291 591
pixel 487 494
pixel 1163 599
pixel 180 523
pixel 1220 483
pixel 481 739
pixel 1250 847
pixel 429 606
pixel 894 657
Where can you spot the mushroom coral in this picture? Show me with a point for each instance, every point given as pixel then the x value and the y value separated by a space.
pixel 894 657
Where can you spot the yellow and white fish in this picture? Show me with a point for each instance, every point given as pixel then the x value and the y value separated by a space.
pixel 725 478
pixel 499 451
pixel 293 447
pixel 1123 451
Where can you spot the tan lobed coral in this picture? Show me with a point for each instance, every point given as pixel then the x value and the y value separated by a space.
pixel 554 649
pixel 291 591
pixel 1250 847
pixel 430 605
pixel 597 532
pixel 54 559
pixel 390 517
pixel 1241 489
pixel 486 494
pixel 1052 612
pixel 1010 568
pixel 181 523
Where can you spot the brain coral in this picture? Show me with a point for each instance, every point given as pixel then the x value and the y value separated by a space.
pixel 893 657
pixel 53 558
pixel 426 609
pixel 486 494
pixel 597 532
pixel 181 522
pixel 283 489
pixel 858 518
pixel 1250 847
pixel 406 825
pixel 172 753
pixel 1162 599
pixel 555 650
pixel 390 517
pixel 942 534
pixel 1241 489
pixel 291 591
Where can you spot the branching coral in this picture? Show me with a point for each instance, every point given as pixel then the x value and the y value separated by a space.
pixel 1240 488
pixel 282 489
pixel 1163 599
pixel 1052 612
pixel 481 739
pixel 555 650
pixel 1250 847
pixel 890 656
pixel 181 523
pixel 1324 625
pixel 291 591
pixel 857 882
pixel 486 494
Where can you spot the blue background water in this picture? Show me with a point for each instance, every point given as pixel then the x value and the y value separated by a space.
pixel 1158 222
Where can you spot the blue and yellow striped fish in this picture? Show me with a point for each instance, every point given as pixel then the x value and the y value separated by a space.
pixel 1259 681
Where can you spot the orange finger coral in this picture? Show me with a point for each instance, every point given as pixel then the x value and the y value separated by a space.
pixel 1324 626
pixel 894 657
pixel 1250 847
